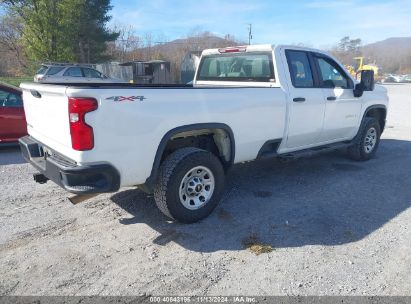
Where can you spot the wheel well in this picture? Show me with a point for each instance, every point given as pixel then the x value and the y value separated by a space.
pixel 378 113
pixel 216 141
pixel 218 138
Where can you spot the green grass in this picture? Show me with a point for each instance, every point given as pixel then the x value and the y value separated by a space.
pixel 16 80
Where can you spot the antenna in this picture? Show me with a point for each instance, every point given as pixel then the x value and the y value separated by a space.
pixel 250 35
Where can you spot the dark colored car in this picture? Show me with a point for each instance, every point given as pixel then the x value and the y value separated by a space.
pixel 12 119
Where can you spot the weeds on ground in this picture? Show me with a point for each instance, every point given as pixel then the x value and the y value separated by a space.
pixel 254 244
pixel 15 81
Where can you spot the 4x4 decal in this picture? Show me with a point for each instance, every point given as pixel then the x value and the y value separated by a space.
pixel 126 98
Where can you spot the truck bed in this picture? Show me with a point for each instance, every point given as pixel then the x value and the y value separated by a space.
pixel 131 119
pixel 117 85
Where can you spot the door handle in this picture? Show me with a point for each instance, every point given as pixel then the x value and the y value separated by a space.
pixel 299 99
pixel 331 98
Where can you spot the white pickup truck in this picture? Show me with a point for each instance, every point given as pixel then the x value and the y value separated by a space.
pixel 245 103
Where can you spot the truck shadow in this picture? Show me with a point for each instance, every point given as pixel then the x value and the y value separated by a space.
pixel 10 154
pixel 326 200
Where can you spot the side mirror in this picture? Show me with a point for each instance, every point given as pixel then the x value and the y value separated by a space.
pixel 366 84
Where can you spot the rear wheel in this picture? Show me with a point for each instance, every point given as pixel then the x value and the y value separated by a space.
pixel 189 185
pixel 366 142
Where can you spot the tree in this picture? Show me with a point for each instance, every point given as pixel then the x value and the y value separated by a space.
pixel 63 30
pixel 129 46
pixel 347 48
pixel 11 48
pixel 88 28
pixel 126 46
pixel 350 45
pixel 40 27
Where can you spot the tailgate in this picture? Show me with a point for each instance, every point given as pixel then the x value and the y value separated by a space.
pixel 46 109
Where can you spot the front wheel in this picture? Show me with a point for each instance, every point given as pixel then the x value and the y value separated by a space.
pixel 189 185
pixel 366 142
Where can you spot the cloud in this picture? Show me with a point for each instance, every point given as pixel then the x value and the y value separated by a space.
pixel 177 18
pixel 369 20
pixel 328 4
pixel 314 22
pixel 393 15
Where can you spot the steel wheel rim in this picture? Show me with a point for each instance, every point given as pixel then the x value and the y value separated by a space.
pixel 370 140
pixel 196 187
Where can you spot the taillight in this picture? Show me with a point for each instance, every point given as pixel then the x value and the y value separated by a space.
pixel 82 137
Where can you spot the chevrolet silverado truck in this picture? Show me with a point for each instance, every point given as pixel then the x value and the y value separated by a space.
pixel 245 103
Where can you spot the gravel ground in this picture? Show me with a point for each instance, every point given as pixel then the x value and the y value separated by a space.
pixel 331 226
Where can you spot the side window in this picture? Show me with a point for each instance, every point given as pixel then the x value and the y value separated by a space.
pixel 54 70
pixel 300 69
pixel 90 73
pixel 331 74
pixel 73 72
pixel 8 99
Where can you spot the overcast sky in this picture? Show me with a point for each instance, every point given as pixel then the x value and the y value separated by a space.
pixel 313 22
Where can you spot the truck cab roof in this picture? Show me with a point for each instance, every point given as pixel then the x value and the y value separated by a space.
pixel 259 48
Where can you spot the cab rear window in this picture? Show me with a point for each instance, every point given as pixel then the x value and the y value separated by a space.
pixel 252 66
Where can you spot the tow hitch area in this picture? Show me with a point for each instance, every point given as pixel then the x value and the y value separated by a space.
pixel 81 198
pixel 40 178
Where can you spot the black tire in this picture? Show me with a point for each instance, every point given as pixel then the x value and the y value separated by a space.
pixel 358 149
pixel 171 174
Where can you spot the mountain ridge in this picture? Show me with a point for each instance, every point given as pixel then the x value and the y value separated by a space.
pixel 393 54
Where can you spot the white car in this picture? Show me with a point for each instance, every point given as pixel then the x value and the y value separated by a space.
pixel 71 74
pixel 392 79
pixel 246 103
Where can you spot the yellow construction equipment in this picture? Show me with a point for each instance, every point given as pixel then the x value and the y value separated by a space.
pixel 358 66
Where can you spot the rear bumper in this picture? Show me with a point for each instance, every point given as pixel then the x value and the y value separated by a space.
pixel 95 178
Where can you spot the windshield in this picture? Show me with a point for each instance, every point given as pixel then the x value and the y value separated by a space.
pixel 42 70
pixel 255 66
